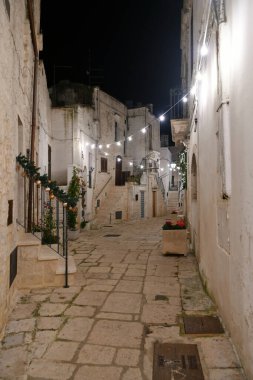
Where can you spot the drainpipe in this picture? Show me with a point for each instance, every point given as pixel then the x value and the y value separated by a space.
pixel 30 6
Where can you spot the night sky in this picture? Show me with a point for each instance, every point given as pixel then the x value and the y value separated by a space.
pixel 131 48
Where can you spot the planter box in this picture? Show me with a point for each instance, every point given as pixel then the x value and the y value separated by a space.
pixel 73 234
pixel 175 242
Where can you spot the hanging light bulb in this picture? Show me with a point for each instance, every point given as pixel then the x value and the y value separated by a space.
pixel 130 164
pixel 118 159
pixel 141 166
pixel 143 130
pixel 118 143
pixel 185 100
pixel 130 138
pixel 107 146
pixel 161 118
pixel 100 146
pixel 162 169
pixel 204 50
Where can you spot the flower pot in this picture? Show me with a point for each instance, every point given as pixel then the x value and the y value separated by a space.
pixel 175 242
pixel 73 234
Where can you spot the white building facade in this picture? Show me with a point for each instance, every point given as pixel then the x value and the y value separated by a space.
pixel 21 76
pixel 217 64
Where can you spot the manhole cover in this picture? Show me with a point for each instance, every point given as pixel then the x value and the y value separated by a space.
pixel 111 235
pixel 176 362
pixel 202 325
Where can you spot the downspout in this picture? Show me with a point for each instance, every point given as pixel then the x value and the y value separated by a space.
pixel 30 5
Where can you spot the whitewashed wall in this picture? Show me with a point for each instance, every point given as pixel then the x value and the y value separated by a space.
pixel 16 85
pixel 222 145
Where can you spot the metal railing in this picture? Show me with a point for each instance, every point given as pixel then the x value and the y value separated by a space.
pixel 48 216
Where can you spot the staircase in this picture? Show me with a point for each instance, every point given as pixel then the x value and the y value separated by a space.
pixel 113 209
pixel 39 265
pixel 173 201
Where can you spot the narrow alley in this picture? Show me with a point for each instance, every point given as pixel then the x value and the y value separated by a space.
pixel 127 297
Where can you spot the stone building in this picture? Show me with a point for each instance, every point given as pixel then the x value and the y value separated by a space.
pixel 217 64
pixel 20 75
pixel 108 143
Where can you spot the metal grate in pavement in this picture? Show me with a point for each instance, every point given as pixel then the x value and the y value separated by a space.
pixel 176 361
pixel 202 325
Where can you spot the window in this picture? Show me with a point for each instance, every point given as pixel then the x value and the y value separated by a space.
pixel 10 212
pixel 116 130
pixel 7 7
pixel 103 165
pixel 150 137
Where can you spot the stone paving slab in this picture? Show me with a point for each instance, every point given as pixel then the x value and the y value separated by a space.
pixel 123 303
pixel 76 329
pixel 117 334
pixel 127 296
pixel 50 370
pixel 95 354
pixel 101 373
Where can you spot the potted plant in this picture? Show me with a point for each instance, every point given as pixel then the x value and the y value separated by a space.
pixel 174 238
pixel 72 213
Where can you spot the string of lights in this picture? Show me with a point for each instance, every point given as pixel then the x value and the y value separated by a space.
pixel 203 52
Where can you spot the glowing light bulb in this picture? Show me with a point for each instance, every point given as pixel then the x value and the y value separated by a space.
pixel 130 138
pixel 93 146
pixel 118 143
pixel 185 100
pixel 141 166
pixel 106 154
pixel 87 144
pixel 100 146
pixel 162 169
pixel 204 50
pixel 173 165
pixel 118 159
pixel 107 145
pixel 143 130
pixel 130 164
pixel 161 118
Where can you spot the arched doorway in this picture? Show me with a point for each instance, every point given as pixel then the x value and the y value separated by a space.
pixel 118 172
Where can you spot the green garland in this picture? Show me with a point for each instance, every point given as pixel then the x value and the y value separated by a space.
pixel 33 172
pixel 183 167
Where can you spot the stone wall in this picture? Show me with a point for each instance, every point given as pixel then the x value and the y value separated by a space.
pixel 16 89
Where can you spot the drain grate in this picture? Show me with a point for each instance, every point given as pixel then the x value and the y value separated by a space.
pixel 161 297
pixel 176 361
pixel 202 325
pixel 111 235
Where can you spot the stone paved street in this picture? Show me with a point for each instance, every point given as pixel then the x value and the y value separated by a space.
pixel 105 326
